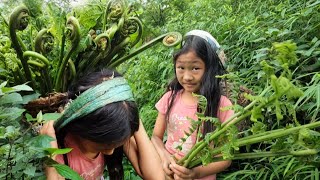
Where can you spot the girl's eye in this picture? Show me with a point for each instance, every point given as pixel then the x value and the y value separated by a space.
pixel 196 68
pixel 179 67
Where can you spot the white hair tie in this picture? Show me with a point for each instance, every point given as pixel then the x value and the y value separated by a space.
pixel 206 36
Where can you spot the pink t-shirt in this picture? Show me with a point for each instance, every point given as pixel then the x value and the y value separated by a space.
pixel 179 123
pixel 89 169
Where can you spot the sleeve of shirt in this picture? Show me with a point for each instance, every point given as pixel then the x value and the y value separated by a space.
pixel 59 159
pixel 224 112
pixel 162 104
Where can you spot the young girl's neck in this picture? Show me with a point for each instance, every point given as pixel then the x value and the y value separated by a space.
pixel 188 98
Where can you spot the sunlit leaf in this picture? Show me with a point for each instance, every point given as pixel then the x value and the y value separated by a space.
pixel 55 151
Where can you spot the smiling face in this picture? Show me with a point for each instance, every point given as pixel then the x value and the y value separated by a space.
pixel 189 70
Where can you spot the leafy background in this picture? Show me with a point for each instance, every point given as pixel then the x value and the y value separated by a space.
pixel 246 30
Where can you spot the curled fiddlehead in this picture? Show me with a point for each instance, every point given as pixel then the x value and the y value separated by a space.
pixel 172 39
pixel 73 32
pixel 44 42
pixel 18 20
pixel 134 25
pixel 103 42
pixel 115 10
pixel 177 39
pixel 42 63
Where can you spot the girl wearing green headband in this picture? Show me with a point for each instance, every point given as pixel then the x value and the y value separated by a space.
pixel 100 124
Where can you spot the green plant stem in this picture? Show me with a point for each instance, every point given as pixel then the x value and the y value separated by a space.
pixel 44 67
pixel 15 41
pixel 8 160
pixel 36 55
pixel 72 68
pixel 276 134
pixel 107 54
pixel 63 42
pixel 74 26
pixel 139 50
pixel 259 155
pixel 266 137
pixel 117 49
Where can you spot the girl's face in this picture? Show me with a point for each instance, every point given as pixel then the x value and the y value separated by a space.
pixel 91 147
pixel 189 70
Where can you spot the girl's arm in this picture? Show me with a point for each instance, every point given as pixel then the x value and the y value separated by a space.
pixel 143 156
pixel 51 172
pixel 157 140
pixel 181 172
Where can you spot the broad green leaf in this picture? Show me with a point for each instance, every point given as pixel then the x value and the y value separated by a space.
pixel 30 170
pixel 55 151
pixel 3 84
pixel 51 116
pixel 6 90
pixel 11 132
pixel 30 97
pixel 30 118
pixel 12 98
pixel 10 113
pixel 67 172
pixel 3 175
pixel 41 141
pixel 89 14
pixel 22 87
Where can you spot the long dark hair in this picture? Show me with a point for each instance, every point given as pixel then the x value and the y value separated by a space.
pixel 210 85
pixel 113 123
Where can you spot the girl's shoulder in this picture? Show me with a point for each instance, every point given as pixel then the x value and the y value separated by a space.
pixel 224 101
pixel 168 94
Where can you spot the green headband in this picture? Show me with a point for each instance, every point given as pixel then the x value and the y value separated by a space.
pixel 112 90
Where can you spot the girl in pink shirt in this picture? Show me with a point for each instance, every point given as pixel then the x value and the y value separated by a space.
pixel 196 67
pixel 100 125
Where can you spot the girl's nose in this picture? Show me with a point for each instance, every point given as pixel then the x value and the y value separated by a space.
pixel 187 77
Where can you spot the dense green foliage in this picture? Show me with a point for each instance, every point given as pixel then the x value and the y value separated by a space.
pixel 248 32
pixel 263 41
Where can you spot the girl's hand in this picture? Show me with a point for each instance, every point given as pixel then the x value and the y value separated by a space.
pixel 167 161
pixel 48 129
pixel 181 172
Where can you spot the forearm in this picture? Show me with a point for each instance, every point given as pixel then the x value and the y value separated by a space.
pixel 212 168
pixel 47 129
pixel 149 161
pixel 52 174
pixel 159 146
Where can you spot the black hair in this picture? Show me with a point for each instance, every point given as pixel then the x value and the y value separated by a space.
pixel 111 124
pixel 210 85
